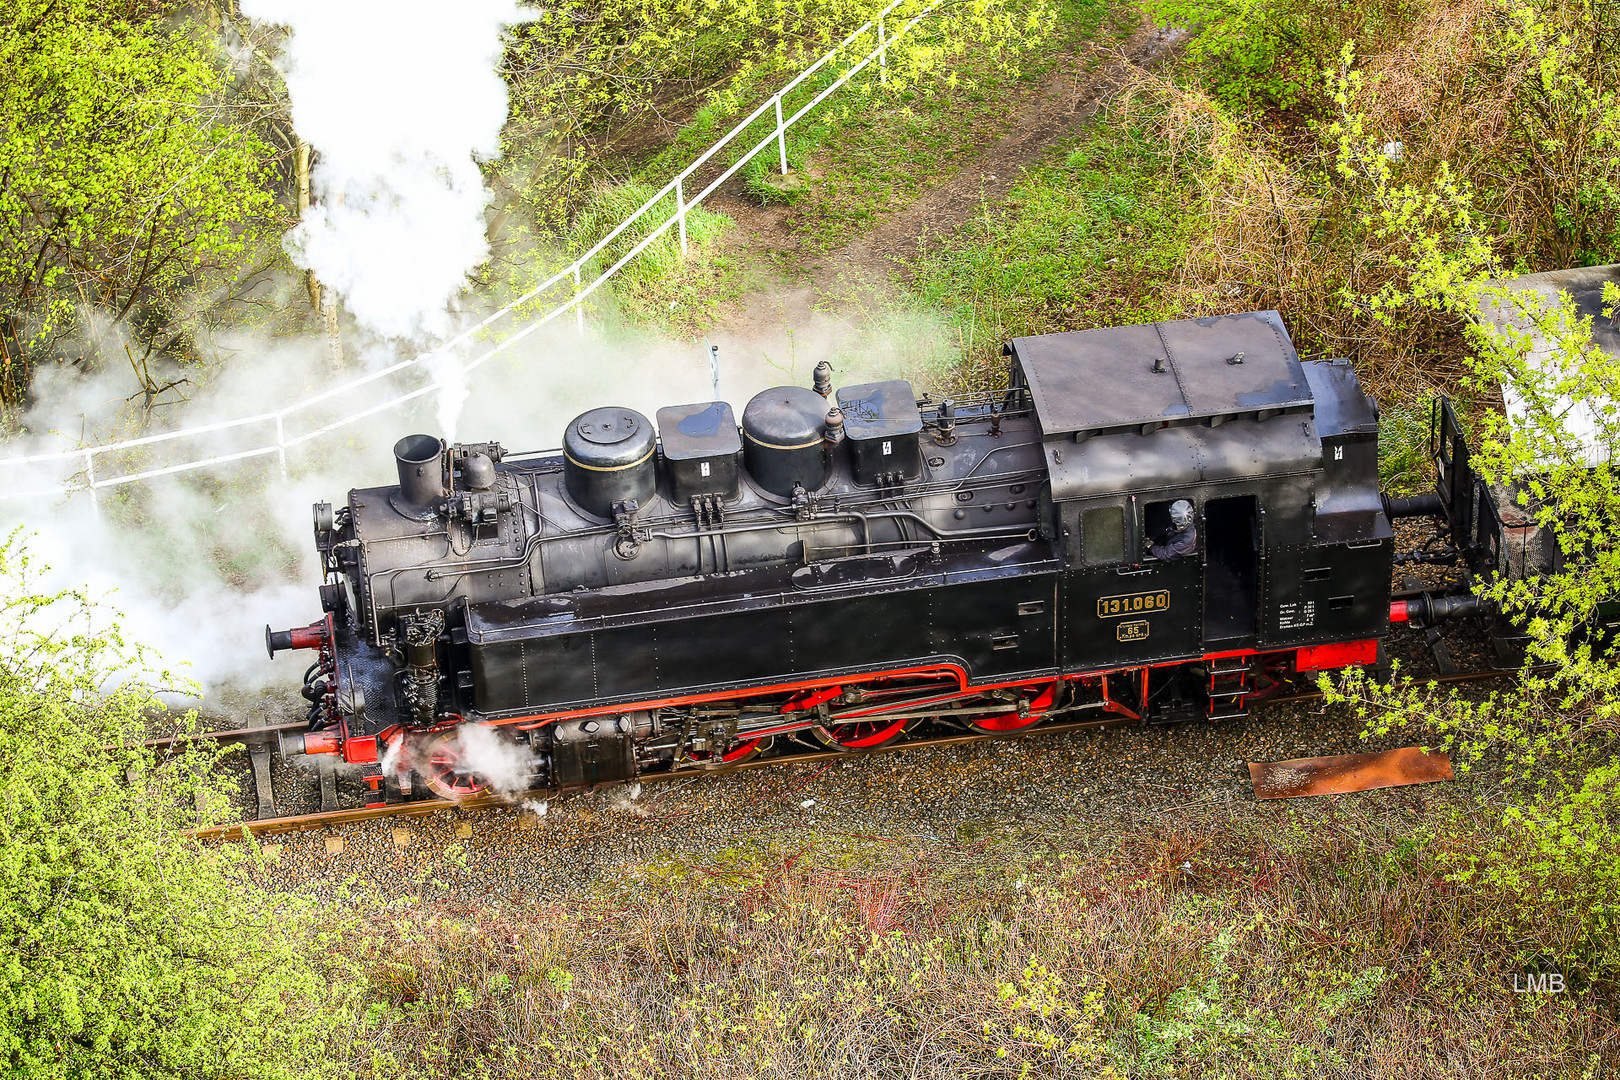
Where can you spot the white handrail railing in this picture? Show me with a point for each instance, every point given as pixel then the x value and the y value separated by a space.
pixel 278 418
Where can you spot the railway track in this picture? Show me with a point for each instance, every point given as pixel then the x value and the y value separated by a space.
pixel 262 743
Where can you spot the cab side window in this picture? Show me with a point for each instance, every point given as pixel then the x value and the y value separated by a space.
pixel 1161 539
pixel 1156 521
pixel 1102 535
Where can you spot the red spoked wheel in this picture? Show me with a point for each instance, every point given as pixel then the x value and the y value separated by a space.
pixel 443 765
pixel 1003 722
pixel 1029 712
pixel 739 750
pixel 856 735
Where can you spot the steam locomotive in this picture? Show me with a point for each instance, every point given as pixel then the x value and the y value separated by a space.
pixel 847 566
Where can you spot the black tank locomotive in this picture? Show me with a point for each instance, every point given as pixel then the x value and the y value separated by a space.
pixel 843 567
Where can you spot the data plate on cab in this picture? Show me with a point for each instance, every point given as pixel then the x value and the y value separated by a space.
pixel 1134 630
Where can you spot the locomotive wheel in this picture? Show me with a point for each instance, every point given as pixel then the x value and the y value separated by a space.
pixel 735 753
pixel 859 735
pixel 1031 710
pixel 446 775
pixel 1002 723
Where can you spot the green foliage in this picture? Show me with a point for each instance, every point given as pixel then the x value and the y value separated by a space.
pixel 590 80
pixel 1565 113
pixel 1242 43
pixel 1429 234
pixel 1554 730
pixel 130 951
pixel 1257 53
pixel 127 179
pixel 1210 1019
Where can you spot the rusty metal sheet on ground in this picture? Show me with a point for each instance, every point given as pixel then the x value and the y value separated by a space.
pixel 1347 772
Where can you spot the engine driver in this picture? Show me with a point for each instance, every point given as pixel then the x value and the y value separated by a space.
pixel 1181 539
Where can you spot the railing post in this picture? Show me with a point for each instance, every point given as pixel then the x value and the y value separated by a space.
pixel 680 212
pixel 281 444
pixel 90 481
pixel 579 306
pixel 781 134
pixel 883 54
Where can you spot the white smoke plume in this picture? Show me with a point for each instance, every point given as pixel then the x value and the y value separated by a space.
pixel 624 800
pixel 401 99
pixel 200 562
pixel 448 373
pixel 392 756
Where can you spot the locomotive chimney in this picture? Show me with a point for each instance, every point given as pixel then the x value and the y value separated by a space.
pixel 421 471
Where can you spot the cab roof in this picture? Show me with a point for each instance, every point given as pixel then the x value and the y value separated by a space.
pixel 1090 381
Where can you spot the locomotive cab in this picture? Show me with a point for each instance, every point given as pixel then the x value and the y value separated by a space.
pixel 1293 551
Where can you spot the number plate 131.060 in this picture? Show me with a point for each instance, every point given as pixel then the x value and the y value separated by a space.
pixel 1133 603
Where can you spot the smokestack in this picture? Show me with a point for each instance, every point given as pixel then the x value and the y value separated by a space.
pixel 421 473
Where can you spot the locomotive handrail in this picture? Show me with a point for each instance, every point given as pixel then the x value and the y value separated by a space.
pixel 86 479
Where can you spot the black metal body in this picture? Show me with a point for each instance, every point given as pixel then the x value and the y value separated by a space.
pixel 784 444
pixel 702 452
pixel 980 558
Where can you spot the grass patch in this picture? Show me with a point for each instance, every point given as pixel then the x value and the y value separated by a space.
pixel 877 151
pixel 660 287
pixel 1310 941
pixel 1403 446
pixel 1095 238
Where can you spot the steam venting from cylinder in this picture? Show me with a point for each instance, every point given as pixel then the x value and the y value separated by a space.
pixel 421 472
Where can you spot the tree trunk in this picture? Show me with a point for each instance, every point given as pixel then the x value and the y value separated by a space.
pixel 334 339
pixel 301 164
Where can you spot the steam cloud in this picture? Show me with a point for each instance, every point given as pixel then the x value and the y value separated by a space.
pixel 506 765
pixel 200 562
pixel 401 99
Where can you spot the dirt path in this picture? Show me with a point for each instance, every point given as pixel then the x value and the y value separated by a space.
pixel 803 315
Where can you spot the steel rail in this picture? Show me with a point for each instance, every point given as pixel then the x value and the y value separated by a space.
pixel 307 822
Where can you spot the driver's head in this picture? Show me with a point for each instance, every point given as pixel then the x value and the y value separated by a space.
pixel 1181 513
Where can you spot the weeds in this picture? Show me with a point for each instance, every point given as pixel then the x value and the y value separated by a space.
pixel 1323 941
